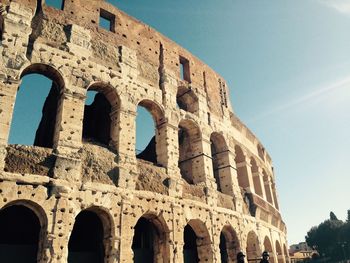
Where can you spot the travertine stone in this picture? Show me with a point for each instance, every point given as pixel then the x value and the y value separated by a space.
pixel 213 189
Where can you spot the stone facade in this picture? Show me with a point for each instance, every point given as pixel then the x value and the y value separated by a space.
pixel 211 179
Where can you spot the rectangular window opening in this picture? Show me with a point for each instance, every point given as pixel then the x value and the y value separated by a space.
pixel 58 4
pixel 107 20
pixel 185 69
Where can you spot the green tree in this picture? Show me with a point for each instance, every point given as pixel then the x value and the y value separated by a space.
pixel 326 237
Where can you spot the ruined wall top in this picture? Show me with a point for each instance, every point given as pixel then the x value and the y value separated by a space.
pixel 156 54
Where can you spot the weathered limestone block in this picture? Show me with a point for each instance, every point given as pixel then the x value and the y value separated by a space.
pixel 91 173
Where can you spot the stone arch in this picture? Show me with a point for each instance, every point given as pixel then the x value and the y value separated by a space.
pixel 256 177
pixel 279 252
pixel 23 231
pixel 151 239
pixel 190 150
pixel 267 187
pixel 102 113
pixel 197 242
pixel 268 248
pixel 229 244
pixel 47 131
pixel 92 236
pixel 153 150
pixel 241 166
pixel 186 99
pixel 221 163
pixel 253 247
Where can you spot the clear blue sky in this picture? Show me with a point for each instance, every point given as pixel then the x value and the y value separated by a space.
pixel 288 67
pixel 287 64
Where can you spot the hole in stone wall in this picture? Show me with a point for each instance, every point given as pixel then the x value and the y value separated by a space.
pixel 145 136
pixel 58 4
pixel 186 99
pixel 34 116
pixel 185 69
pixel 86 244
pixel 19 234
pixel 107 20
pixel 190 245
pixel 97 120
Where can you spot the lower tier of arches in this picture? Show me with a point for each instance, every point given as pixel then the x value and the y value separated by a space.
pixel 58 223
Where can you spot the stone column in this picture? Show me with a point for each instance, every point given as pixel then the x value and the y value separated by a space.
pixel 258 179
pixel 244 173
pixel 126 232
pixel 274 194
pixel 8 93
pixel 268 190
pixel 168 155
pixel 126 148
pixel 68 135
pixel 202 169
pixel 233 187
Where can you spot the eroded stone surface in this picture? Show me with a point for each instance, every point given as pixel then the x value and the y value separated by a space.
pixel 207 172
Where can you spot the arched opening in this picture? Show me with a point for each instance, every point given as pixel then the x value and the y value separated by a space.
pixel 223 249
pixel 267 187
pixel 240 159
pixel 190 245
pixel 150 241
pixel 19 234
pixel 279 254
pixel 186 99
pixel 148 140
pixel 268 248
pixel 256 177
pixel 253 250
pixel 220 161
pixel 197 245
pixel 229 245
pixel 37 102
pixel 101 113
pixel 189 151
pixel 87 242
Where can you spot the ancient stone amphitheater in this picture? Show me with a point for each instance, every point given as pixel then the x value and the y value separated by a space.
pixel 201 191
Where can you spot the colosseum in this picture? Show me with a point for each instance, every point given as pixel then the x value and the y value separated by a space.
pixel 201 191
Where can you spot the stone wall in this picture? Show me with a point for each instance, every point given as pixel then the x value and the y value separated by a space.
pixel 210 173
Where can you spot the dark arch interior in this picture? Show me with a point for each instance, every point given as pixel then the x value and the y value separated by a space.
pixel 97 120
pixel 223 249
pixel 144 241
pixel 86 241
pixel 19 235
pixel 190 245
pixel 30 97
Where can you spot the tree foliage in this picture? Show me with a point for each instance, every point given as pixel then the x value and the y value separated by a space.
pixel 331 238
